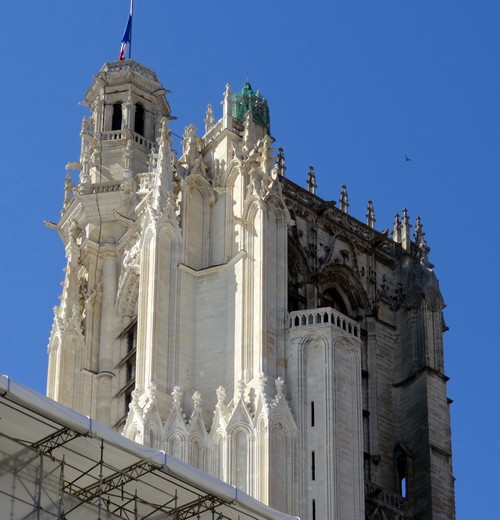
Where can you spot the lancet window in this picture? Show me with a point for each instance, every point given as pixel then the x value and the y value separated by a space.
pixel 403 470
pixel 116 119
pixel 139 119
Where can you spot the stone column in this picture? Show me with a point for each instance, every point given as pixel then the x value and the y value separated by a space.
pixel 127 114
pixel 99 118
pixel 405 231
pixel 227 120
pixel 256 321
pixel 107 334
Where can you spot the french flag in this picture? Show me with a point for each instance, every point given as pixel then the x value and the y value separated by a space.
pixel 127 37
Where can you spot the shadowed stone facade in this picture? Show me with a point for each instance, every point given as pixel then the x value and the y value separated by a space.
pixel 214 309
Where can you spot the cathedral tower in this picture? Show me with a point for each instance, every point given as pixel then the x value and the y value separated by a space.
pixel 214 309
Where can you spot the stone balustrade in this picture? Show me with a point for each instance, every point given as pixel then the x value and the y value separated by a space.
pixel 112 135
pixel 323 316
pixel 105 187
pixel 143 141
pixel 115 135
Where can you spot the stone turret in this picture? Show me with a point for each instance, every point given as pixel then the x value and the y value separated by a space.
pixel 118 145
pixel 250 101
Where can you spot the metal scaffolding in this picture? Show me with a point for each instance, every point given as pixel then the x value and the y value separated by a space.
pixel 55 463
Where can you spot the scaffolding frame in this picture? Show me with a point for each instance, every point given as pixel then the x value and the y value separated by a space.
pixel 55 463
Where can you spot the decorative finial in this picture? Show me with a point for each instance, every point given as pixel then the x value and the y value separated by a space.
pixel 262 382
pixel 227 107
pixel 165 136
pixel 209 118
pixel 85 126
pixel 405 231
pixel 189 145
pixel 134 403
pixel 249 136
pixel 419 234
pixel 370 215
pixel 84 173
pixel 344 199
pixel 281 162
pixel 164 159
pixel 68 190
pixel 422 247
pixel 176 396
pixel 197 401
pixel 311 180
pixel 221 395
pixel 279 386
pixel 396 229
pixel 241 388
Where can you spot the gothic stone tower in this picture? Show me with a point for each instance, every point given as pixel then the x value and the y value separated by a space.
pixel 214 309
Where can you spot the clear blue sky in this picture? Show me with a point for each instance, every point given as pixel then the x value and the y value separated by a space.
pixel 352 85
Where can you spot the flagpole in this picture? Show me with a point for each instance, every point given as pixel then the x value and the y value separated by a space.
pixel 131 18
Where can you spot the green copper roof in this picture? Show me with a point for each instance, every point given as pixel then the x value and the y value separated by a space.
pixel 248 99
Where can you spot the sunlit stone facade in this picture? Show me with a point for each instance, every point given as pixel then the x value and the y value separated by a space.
pixel 214 309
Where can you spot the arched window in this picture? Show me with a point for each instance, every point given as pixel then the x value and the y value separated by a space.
pixel 116 121
pixel 402 471
pixel 139 119
pixel 240 459
pixel 196 454
pixel 331 298
pixel 174 446
pixel 296 286
pixel 403 463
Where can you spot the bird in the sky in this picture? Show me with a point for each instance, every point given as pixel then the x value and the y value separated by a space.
pixel 407 158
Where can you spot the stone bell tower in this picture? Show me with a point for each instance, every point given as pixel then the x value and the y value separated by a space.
pixel 214 309
pixel 127 105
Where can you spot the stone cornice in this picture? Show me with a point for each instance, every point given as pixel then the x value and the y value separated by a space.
pixel 209 270
pixel 416 375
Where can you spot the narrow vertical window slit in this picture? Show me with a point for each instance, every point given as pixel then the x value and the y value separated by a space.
pixel 313 465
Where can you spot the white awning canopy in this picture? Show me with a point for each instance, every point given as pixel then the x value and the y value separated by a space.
pixel 64 465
